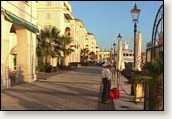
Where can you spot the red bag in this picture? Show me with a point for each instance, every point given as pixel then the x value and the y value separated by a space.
pixel 114 93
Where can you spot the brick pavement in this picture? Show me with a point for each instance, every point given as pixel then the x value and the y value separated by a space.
pixel 126 102
pixel 73 90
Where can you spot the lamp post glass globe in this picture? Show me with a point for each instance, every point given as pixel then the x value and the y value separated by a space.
pixel 135 12
pixel 114 45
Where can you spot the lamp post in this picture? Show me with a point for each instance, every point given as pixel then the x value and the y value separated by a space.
pixel 119 37
pixel 111 54
pixel 118 61
pixel 114 46
pixel 135 12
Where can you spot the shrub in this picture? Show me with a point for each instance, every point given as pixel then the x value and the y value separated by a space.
pixel 40 68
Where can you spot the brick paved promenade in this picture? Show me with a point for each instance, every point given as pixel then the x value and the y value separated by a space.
pixel 126 101
pixel 78 89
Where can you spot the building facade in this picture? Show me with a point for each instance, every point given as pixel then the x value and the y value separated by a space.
pixel 104 55
pixel 156 50
pixel 55 13
pixel 91 43
pixel 128 54
pixel 18 41
pixel 59 14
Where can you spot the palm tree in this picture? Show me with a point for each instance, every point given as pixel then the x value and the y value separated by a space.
pixel 65 48
pixel 152 75
pixel 84 55
pixel 92 56
pixel 47 42
pixel 40 53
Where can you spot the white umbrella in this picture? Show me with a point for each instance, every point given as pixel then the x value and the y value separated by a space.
pixel 138 51
pixel 119 62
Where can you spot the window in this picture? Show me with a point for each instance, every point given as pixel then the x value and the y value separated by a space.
pixel 68 33
pixel 48 16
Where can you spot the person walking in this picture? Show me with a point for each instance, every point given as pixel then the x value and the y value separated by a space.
pixel 106 79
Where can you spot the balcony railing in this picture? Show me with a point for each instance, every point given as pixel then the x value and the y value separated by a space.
pixel 68 14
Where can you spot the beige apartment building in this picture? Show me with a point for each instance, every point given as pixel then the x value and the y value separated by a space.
pixel 59 14
pixel 78 33
pixel 104 55
pixel 91 43
pixel 55 13
pixel 82 33
pixel 18 41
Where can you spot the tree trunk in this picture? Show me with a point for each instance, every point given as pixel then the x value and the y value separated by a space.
pixel 49 59
pixel 64 61
pixel 46 60
pixel 156 95
pixel 158 98
pixel 132 89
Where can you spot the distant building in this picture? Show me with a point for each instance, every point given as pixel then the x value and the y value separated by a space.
pixel 104 55
pixel 128 54
pixel 91 42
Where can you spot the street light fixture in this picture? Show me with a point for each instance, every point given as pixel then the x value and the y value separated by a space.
pixel 114 46
pixel 119 36
pixel 111 54
pixel 135 12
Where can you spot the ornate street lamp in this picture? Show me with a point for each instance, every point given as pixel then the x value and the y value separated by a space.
pixel 118 61
pixel 119 37
pixel 114 48
pixel 111 54
pixel 135 12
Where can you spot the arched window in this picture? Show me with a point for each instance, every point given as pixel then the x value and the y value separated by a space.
pixel 67 31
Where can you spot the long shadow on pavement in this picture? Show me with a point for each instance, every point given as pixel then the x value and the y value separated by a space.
pixel 89 69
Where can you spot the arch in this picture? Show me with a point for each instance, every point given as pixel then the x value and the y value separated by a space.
pixel 67 31
pixel 157 22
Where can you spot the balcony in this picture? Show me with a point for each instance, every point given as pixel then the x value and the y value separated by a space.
pixel 68 11
pixel 67 5
pixel 68 14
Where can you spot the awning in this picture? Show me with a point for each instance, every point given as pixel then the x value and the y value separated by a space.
pixel 13 18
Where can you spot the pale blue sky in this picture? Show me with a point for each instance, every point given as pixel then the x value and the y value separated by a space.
pixel 106 19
